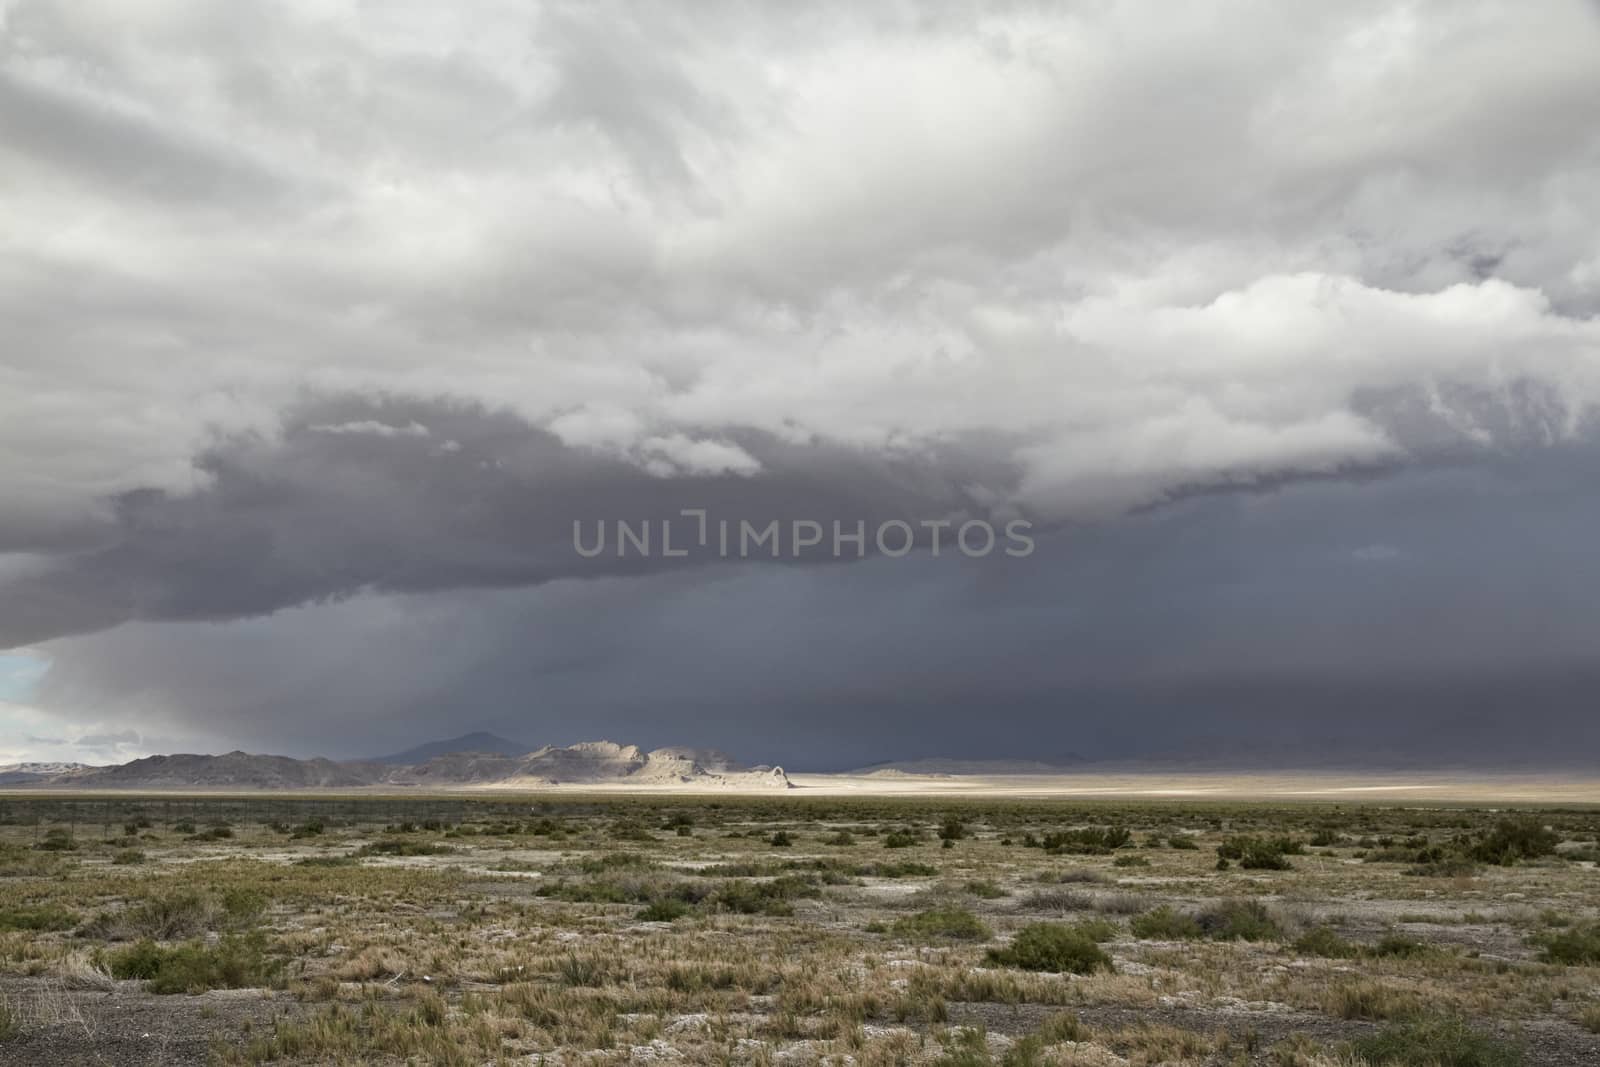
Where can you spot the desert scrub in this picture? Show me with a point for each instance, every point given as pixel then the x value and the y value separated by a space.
pixel 1514 839
pixel 1436 1042
pixel 404 848
pixel 232 963
pixel 1365 999
pixel 1573 945
pixel 665 910
pixel 1164 924
pixel 39 919
pixel 1238 920
pixel 955 924
pixel 57 841
pixel 1052 947
pixel 1322 941
pixel 1088 841
pixel 1259 854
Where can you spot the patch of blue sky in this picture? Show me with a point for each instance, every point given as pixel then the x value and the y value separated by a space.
pixel 19 673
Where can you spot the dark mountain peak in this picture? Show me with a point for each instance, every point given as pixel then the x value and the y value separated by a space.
pixel 477 742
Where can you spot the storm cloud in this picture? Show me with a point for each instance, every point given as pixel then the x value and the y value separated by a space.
pixel 323 324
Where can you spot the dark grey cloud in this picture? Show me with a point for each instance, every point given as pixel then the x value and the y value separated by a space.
pixel 415 496
pixel 1249 628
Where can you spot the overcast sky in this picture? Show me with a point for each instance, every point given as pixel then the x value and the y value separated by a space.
pixel 321 323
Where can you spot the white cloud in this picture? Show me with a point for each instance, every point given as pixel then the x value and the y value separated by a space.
pixel 1158 248
pixel 34 735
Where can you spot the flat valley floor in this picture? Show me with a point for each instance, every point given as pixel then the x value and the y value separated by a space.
pixel 842 925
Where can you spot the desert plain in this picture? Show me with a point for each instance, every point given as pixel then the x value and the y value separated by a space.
pixel 1293 920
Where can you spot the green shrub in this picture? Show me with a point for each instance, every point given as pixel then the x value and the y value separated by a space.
pixel 1087 841
pixel 781 839
pixel 1182 841
pixel 1322 941
pixel 953 923
pixel 1516 838
pixel 220 832
pixel 1258 854
pixel 1398 946
pixel 984 890
pixel 1130 861
pixel 1164 924
pixel 57 841
pixel 1052 947
pixel 128 857
pixel 1445 866
pixel 232 963
pixel 842 839
pixel 899 839
pixel 763 898
pixel 1574 945
pixel 1436 1042
pixel 665 910
pixel 1238 920
pixel 141 960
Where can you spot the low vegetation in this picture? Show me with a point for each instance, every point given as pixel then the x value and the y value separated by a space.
pixel 793 929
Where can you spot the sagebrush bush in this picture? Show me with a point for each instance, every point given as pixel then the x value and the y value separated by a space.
pixel 1574 945
pixel 665 910
pixel 1261 854
pixel 1164 924
pixel 1238 920
pixel 1436 1042
pixel 953 923
pixel 1087 841
pixel 1322 941
pixel 1052 947
pixel 1516 838
pixel 232 963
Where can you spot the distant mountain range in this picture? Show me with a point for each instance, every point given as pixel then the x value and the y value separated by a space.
pixel 26 773
pixel 440 765
pixel 490 744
